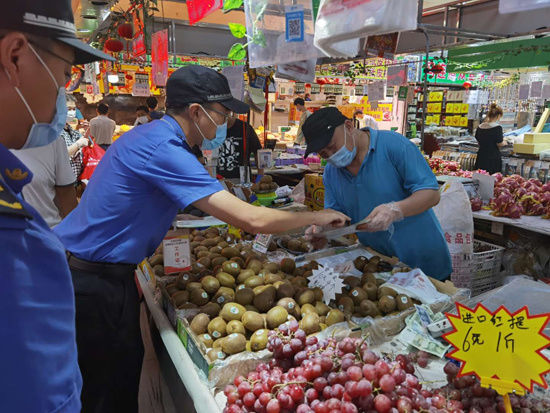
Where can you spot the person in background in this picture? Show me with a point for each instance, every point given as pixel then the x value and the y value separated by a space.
pixel 232 153
pixel 152 104
pixel 102 127
pixel 75 142
pixel 300 105
pixel 490 139
pixel 142 116
pixel 52 190
pixel 39 359
pixel 361 121
pixel 307 97
pixel 382 177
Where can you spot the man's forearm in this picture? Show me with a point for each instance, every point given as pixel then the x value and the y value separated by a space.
pixel 419 202
pixel 65 199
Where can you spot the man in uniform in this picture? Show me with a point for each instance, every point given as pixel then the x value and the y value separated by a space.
pixel 129 204
pixel 383 177
pixel 39 370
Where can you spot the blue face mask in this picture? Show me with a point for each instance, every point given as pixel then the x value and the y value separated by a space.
pixel 343 156
pixel 42 134
pixel 221 134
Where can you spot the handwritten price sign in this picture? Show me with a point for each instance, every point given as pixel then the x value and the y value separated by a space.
pixel 503 349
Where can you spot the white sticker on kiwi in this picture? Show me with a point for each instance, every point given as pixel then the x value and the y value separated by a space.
pixel 259 332
pixel 240 287
pixel 290 305
pixel 221 355
pixel 207 336
pixel 341 307
pixel 355 293
pixel 216 334
pixel 404 300
pixel 234 265
pixel 204 294
pixel 220 299
pixel 234 310
pixel 185 277
pixel 234 335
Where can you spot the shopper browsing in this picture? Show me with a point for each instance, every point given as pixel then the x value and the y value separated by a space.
pixel 380 176
pixel 300 105
pixel 130 202
pixel 102 128
pixel 142 116
pixel 39 369
pixel 490 139
pixel 152 103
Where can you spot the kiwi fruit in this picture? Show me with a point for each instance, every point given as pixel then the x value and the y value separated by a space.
pixel 232 311
pixel 199 324
pixel 403 302
pixel 346 305
pixel 217 328
pixel 254 265
pixel 209 242
pixel 157 259
pixel 368 277
pixel 159 270
pixel 180 297
pixel 250 307
pixel 199 297
pixel 215 354
pixel 203 254
pixel 372 291
pixel 285 289
pixel 372 266
pixel 321 308
pixel 368 308
pixel 235 326
pixel 264 297
pixel 294 245
pixel 351 282
pixel 254 281
pixel 225 279
pixel 375 260
pixel 382 291
pixel 172 288
pixel 215 250
pixel 300 281
pixel 230 252
pixel 206 339
pixel 272 267
pixel 193 285
pixel 305 297
pixel 308 308
pixel 199 248
pixel 252 321
pixel 218 343
pixel 238 260
pixel 299 271
pixel 234 343
pixel 310 323
pixel 224 295
pixel 244 296
pixel 271 278
pixel 357 294
pixel 187 306
pixel 387 304
pixel 231 267
pixel 216 261
pixel 244 275
pixel 334 316
pixel 380 281
pixel 290 306
pixel 318 293
pixel 210 284
pixel 276 316
pixel 287 265
pixel 211 309
pixel 258 340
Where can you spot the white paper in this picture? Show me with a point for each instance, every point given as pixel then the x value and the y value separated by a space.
pixel 283 191
pixel 303 70
pixel 415 284
pixel 328 280
pixel 536 89
pixel 208 221
pixel 486 185
pixel 261 242
pixel 176 254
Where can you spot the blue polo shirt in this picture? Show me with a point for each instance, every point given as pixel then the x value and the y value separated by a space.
pixel 134 195
pixel 38 362
pixel 392 170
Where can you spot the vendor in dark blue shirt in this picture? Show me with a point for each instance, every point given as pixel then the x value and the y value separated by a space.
pixel 129 205
pixel 383 177
pixel 38 358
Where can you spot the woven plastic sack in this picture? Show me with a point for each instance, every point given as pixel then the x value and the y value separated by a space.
pixel 342 23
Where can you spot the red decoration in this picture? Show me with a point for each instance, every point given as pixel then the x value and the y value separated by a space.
pixel 126 31
pixel 129 77
pixel 467 85
pixel 114 45
pixel 199 9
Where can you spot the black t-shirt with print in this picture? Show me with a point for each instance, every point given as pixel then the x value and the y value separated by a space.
pixel 230 155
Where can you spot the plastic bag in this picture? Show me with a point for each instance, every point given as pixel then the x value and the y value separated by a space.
pixel 514 6
pixel 91 155
pixel 342 23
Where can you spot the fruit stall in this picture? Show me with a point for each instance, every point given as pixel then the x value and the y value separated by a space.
pixel 267 325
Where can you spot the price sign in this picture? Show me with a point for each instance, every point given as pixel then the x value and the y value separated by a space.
pixel 299 87
pixel 328 89
pixel 176 251
pixel 315 88
pixel 328 280
pixel 501 348
pixel 261 242
pixel 338 89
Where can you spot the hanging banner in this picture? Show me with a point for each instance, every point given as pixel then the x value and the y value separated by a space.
pixel 383 45
pixel 138 45
pixel 396 75
pixel 141 85
pixel 159 57
pixel 199 9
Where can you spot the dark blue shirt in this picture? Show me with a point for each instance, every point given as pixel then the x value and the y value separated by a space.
pixel 134 195
pixel 38 361
pixel 392 170
pixel 155 114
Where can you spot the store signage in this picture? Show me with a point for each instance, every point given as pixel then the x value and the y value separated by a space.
pixel 138 45
pixel 315 88
pixel 359 90
pixel 328 89
pixel 299 87
pixel 403 91
pixel 294 23
pixel 383 45
pixel 337 90
pixel 159 57
pixel 451 78
pixel 397 75
pixel 502 348
pixel 328 280
pixel 141 85
pixel 261 243
pixel 176 251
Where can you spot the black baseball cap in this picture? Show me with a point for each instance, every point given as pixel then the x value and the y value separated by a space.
pixel 319 128
pixel 199 84
pixel 51 19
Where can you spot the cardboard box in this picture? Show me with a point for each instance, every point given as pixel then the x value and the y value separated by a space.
pixel 531 148
pixel 536 138
pixel 315 192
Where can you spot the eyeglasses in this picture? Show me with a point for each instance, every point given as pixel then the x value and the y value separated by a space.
pixel 226 116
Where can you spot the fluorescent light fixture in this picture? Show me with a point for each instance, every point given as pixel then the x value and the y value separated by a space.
pixel 112 78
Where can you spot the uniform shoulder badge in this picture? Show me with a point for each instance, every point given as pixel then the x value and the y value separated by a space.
pixel 10 205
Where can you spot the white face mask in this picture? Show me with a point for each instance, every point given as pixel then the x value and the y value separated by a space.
pixel 143 119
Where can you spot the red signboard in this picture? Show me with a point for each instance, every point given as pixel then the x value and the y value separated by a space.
pixel 159 57
pixel 199 9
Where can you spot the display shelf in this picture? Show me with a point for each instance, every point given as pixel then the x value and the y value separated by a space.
pixel 533 224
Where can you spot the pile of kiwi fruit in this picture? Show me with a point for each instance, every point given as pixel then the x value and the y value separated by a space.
pixel 366 297
pixel 265 185
pixel 298 244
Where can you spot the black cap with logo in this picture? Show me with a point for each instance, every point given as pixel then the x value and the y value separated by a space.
pixel 50 19
pixel 199 84
pixel 319 128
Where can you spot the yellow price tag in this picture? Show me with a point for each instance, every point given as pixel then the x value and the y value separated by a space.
pixel 503 349
pixel 234 231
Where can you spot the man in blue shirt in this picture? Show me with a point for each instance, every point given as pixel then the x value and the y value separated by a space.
pixel 129 205
pixel 383 177
pixel 38 362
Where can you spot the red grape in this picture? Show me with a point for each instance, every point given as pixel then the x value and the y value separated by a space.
pixel 264 398
pixel 382 403
pixel 249 399
pixel 364 388
pixel 348 407
pixel 355 373
pixel 297 393
pixel 273 406
pixel 369 372
pixel 319 384
pixel 387 383
pixel 399 375
pixel 381 368
pixel 404 405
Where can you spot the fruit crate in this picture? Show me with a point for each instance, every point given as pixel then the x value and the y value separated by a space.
pixel 479 271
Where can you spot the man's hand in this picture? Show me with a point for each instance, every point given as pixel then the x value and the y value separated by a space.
pixel 82 142
pixel 317 242
pixel 331 217
pixel 382 217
